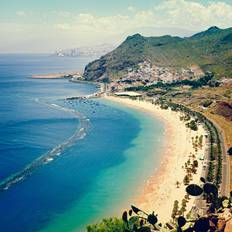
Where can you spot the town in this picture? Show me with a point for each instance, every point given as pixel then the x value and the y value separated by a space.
pixel 146 74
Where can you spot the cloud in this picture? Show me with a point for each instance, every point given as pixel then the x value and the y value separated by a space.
pixel 194 15
pixel 131 9
pixel 64 14
pixel 63 26
pixel 66 29
pixel 184 14
pixel 21 13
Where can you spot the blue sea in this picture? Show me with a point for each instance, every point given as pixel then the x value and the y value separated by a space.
pixel 66 163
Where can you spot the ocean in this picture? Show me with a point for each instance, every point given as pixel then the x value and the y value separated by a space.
pixel 64 163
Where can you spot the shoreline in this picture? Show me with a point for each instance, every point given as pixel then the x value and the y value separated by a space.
pixel 160 190
pixel 55 75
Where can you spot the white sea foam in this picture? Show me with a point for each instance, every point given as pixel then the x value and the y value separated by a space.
pixel 49 159
pixel 50 156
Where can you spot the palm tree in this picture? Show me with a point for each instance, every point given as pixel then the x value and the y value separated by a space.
pixel 177 184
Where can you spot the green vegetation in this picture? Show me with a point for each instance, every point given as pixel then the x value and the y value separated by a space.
pixel 215 163
pixel 195 163
pixel 175 209
pixel 192 125
pixel 108 225
pixel 227 93
pixel 137 220
pixel 211 50
pixel 207 103
pixel 186 180
pixel 203 81
pixel 185 118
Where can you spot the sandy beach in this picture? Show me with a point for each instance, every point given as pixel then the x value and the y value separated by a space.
pixel 161 190
pixel 55 75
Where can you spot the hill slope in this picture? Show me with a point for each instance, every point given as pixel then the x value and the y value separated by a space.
pixel 210 49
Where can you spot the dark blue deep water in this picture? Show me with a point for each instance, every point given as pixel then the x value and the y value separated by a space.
pixel 64 163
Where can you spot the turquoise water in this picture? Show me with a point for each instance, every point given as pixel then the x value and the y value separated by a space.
pixel 67 163
pixel 116 187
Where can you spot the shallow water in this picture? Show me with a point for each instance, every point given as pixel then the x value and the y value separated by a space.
pixel 86 158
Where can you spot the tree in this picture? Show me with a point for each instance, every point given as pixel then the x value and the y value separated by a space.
pixel 195 163
pixel 186 180
pixel 175 209
pixel 192 125
pixel 109 225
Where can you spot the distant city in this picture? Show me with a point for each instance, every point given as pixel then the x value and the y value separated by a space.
pixel 94 51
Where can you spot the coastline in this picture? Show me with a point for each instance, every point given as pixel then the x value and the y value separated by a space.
pixel 160 190
pixel 105 197
pixel 55 75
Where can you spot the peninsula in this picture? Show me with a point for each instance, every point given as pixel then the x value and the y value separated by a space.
pixel 57 75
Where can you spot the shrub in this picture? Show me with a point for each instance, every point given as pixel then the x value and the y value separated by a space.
pixel 192 125
pixel 186 180
pixel 207 103
pixel 108 225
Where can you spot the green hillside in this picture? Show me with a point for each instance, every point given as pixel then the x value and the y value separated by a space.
pixel 210 49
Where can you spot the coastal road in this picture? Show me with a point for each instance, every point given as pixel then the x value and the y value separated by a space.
pixel 225 185
pixel 200 204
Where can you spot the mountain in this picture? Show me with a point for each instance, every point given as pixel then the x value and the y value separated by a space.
pixel 208 32
pixel 94 51
pixel 210 49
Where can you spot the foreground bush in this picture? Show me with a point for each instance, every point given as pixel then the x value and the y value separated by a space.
pixel 108 225
pixel 215 217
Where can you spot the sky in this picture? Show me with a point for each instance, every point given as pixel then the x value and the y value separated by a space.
pixel 42 26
